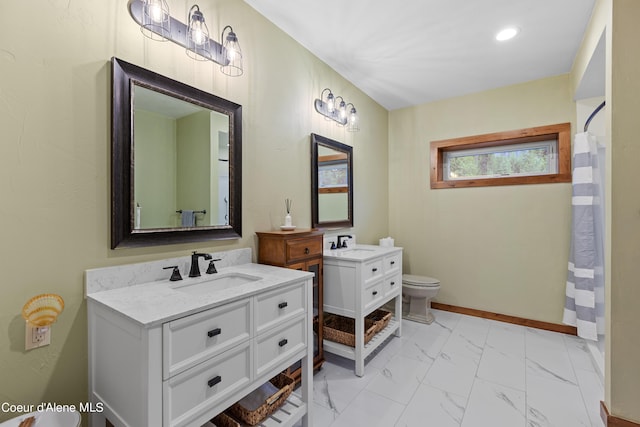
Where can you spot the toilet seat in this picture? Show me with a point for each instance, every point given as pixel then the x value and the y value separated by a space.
pixel 420 281
pixel 47 418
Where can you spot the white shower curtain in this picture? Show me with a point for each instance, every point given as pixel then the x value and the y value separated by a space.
pixel 584 302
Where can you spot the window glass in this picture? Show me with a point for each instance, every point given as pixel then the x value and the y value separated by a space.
pixel 526 159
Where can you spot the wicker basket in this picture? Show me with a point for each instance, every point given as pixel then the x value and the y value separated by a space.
pixel 285 385
pixel 342 329
pixel 380 318
pixel 224 420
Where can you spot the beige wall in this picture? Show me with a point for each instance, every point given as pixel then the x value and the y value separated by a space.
pixel 194 148
pixel 600 16
pixel 54 159
pixel 500 249
pixel 623 374
pixel 155 172
pixel 622 87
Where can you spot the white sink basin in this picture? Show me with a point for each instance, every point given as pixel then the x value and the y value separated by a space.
pixel 356 251
pixel 359 252
pixel 217 282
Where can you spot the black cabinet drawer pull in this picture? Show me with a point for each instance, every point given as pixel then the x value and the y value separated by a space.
pixel 212 333
pixel 283 342
pixel 374 269
pixel 374 293
pixel 393 262
pixel 393 283
pixel 282 304
pixel 306 251
pixel 215 380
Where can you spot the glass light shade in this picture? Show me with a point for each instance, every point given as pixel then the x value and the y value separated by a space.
pixel 233 54
pixel 331 103
pixel 342 110
pixel 353 124
pixel 156 21
pixel 198 36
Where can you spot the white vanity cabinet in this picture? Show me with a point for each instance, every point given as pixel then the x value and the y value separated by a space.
pixel 357 282
pixel 182 370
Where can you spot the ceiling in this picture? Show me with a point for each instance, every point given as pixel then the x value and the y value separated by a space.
pixel 417 51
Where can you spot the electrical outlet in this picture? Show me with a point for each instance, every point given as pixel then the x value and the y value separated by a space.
pixel 36 336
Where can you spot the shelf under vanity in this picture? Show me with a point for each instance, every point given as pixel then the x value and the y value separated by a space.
pixel 377 340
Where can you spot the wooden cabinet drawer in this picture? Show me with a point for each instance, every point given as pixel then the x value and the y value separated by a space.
pixel 193 339
pixel 392 263
pixel 297 249
pixel 274 347
pixel 278 306
pixel 372 270
pixel 372 295
pixel 193 392
pixel 392 284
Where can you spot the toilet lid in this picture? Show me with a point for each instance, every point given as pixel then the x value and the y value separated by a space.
pixel 414 280
pixel 47 418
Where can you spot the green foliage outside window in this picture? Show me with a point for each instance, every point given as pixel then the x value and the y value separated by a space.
pixel 507 163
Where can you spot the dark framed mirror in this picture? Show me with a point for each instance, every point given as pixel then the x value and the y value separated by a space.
pixel 331 183
pixel 176 161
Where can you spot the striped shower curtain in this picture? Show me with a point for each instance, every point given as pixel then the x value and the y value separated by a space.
pixel 584 302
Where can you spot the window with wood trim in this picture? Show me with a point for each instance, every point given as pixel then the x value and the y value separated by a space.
pixel 526 156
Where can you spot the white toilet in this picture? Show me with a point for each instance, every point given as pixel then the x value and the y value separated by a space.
pixel 47 419
pixel 417 292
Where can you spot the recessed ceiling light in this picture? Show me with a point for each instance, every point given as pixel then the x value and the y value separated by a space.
pixel 507 34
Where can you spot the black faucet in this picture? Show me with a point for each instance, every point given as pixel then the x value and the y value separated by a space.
pixel 212 267
pixel 175 275
pixel 343 243
pixel 195 267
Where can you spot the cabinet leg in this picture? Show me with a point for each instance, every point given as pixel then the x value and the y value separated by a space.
pixel 398 332
pixel 307 390
pixel 359 349
pixel 306 368
pixel 97 419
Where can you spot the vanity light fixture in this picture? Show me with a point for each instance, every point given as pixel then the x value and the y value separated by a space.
pixel 156 21
pixel 342 108
pixel 338 111
pixel 354 121
pixel 233 67
pixel 198 46
pixel 157 24
pixel 331 100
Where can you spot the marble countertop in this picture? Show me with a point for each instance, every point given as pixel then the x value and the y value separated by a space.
pixel 359 252
pixel 153 303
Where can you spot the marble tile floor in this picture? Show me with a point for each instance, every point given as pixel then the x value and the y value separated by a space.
pixel 463 371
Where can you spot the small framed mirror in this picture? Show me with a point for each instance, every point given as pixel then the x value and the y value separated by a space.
pixel 331 183
pixel 176 161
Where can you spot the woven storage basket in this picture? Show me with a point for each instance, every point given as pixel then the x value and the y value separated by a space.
pixel 342 329
pixel 284 384
pixel 380 318
pixel 224 420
